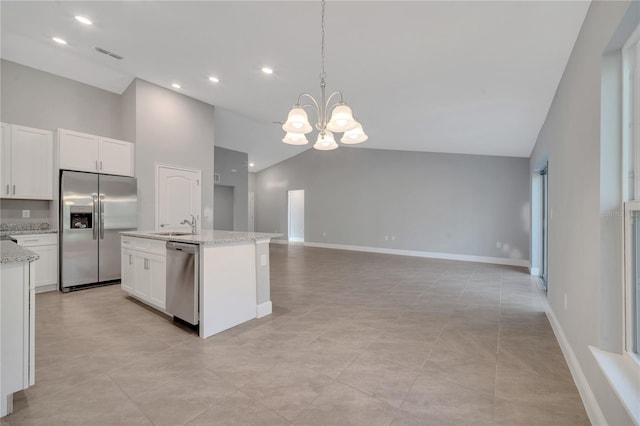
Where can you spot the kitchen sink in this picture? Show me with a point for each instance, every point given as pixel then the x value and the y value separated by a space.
pixel 172 234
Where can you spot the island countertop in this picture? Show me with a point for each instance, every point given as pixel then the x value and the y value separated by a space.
pixel 205 236
pixel 11 252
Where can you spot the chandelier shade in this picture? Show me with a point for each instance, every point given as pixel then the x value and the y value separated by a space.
pixel 333 114
pixel 354 136
pixel 292 138
pixel 297 121
pixel 341 119
pixel 325 142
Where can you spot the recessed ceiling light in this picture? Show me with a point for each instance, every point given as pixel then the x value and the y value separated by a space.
pixel 267 70
pixel 58 40
pixel 214 79
pixel 251 164
pixel 83 20
pixel 176 85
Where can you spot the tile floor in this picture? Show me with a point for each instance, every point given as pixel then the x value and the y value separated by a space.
pixel 355 338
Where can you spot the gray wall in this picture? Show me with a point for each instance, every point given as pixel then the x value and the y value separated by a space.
pixel 579 232
pixel 176 130
pixel 39 99
pixel 223 207
pixel 446 203
pixel 233 169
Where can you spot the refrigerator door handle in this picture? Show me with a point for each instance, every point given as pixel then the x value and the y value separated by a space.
pixel 101 213
pixel 95 216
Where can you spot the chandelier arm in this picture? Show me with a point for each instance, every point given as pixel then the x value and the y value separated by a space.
pixel 311 98
pixel 331 96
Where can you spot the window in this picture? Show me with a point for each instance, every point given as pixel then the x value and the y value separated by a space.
pixel 631 146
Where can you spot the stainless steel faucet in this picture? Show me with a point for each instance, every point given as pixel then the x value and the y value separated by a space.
pixel 193 222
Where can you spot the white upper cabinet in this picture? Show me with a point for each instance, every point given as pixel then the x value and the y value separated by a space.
pixel 90 153
pixel 78 151
pixel 27 163
pixel 116 157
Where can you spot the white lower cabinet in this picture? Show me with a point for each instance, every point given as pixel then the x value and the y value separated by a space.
pixel 17 321
pixel 46 267
pixel 144 270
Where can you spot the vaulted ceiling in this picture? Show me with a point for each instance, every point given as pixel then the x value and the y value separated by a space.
pixel 445 76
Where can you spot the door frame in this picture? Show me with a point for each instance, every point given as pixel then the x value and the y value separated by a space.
pixel 159 166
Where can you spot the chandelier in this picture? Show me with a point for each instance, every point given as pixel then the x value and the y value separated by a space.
pixel 341 121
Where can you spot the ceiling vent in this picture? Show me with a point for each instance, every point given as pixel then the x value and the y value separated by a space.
pixel 106 52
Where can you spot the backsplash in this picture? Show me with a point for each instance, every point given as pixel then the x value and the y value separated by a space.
pixel 11 212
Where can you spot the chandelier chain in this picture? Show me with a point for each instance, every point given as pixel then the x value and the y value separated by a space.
pixel 323 74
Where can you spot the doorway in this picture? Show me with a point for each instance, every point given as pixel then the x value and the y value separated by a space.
pixel 296 215
pixel 252 212
pixel 544 174
pixel 223 207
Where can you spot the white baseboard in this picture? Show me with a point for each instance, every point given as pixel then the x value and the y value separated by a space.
pixel 535 272
pixel 586 394
pixel 275 240
pixel 427 254
pixel 296 240
pixel 264 309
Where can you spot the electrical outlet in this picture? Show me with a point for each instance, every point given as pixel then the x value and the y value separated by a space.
pixel 386 238
pixel 26 214
pixel 498 244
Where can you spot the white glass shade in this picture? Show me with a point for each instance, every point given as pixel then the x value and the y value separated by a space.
pixel 295 139
pixel 355 135
pixel 297 121
pixel 325 142
pixel 341 119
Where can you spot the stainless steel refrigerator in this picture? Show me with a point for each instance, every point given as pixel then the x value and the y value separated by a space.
pixel 94 209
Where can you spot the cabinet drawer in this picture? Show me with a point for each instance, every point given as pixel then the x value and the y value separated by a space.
pixel 36 240
pixel 144 244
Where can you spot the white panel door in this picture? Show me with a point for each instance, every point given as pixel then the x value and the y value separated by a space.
pixel 5 160
pixel 178 197
pixel 78 151
pixel 116 157
pixel 31 163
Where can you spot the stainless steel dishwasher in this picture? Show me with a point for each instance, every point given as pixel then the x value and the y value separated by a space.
pixel 183 272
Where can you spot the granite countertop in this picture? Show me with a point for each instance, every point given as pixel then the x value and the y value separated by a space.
pixel 205 237
pixel 10 252
pixel 28 232
pixel 27 228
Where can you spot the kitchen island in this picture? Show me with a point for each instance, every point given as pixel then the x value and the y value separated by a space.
pixel 17 322
pixel 232 274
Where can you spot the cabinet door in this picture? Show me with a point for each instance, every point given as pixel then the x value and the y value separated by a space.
pixel 31 163
pixel 78 151
pixel 5 160
pixel 142 276
pixel 116 157
pixel 158 280
pixel 127 276
pixel 46 268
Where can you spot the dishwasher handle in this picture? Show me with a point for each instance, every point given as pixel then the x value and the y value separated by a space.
pixel 189 248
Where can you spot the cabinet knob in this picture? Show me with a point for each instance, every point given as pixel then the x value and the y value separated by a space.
pixel 7 189
pixel 97 165
pixel 14 190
